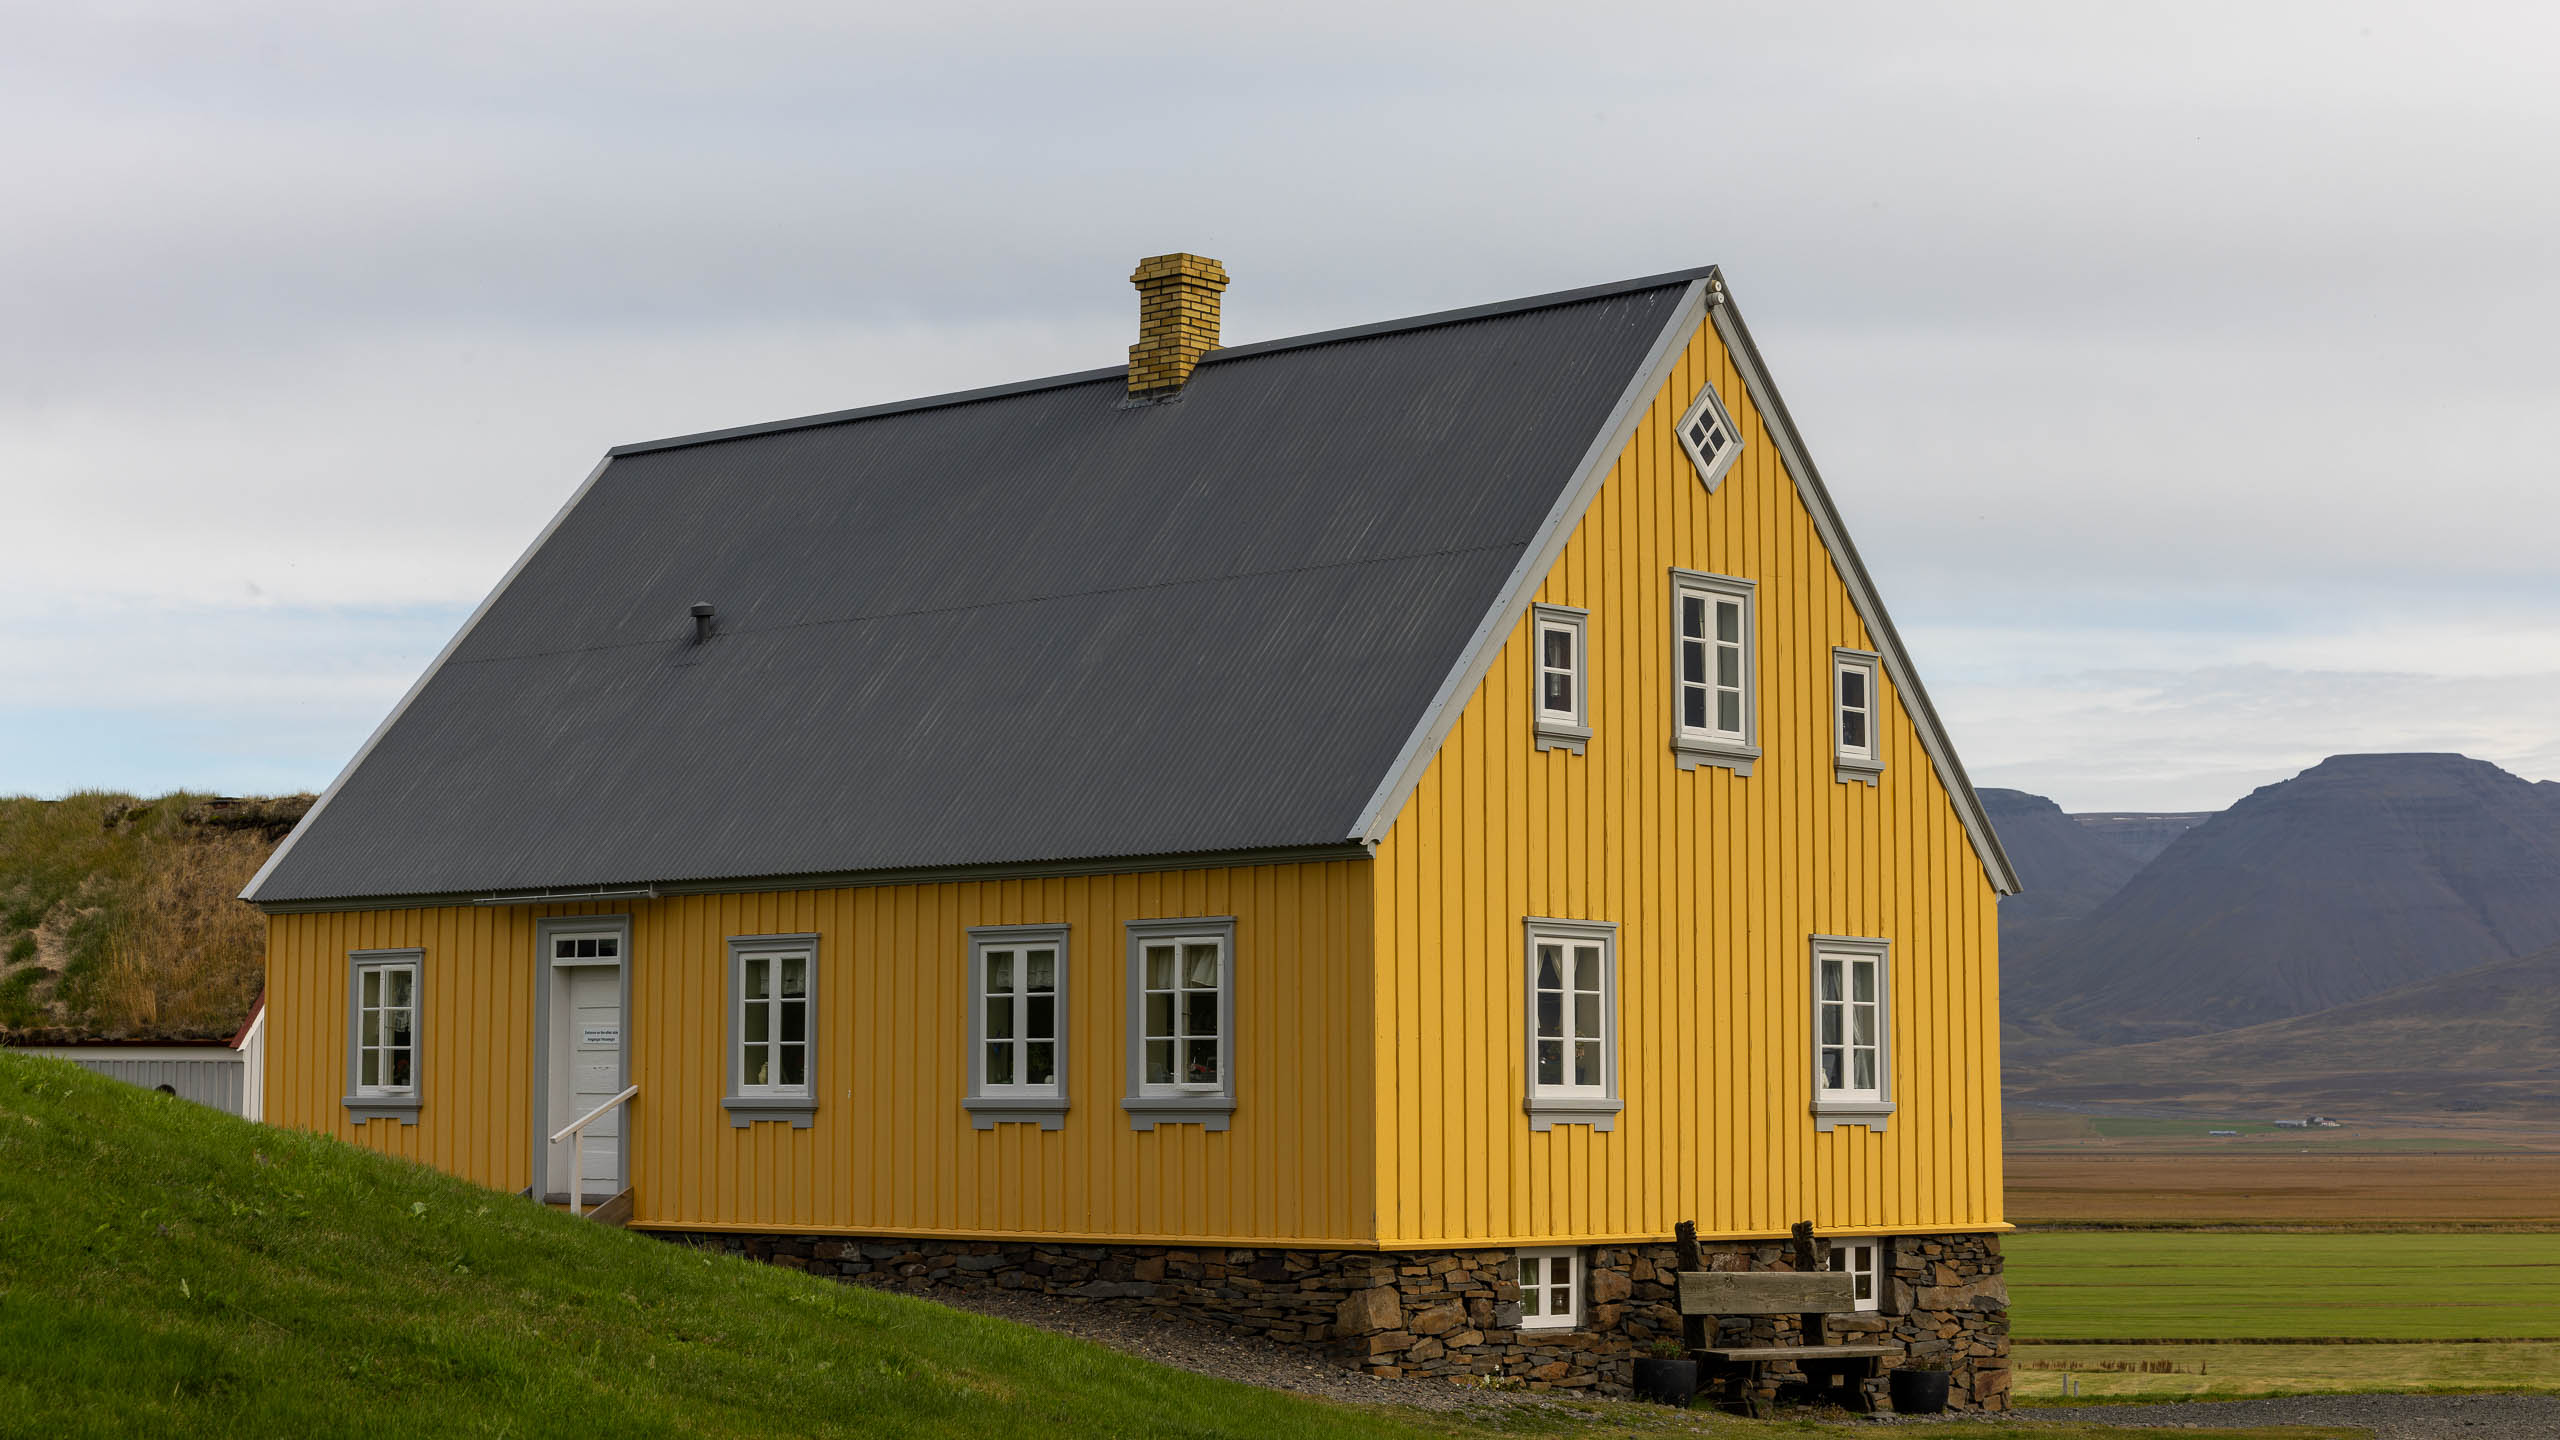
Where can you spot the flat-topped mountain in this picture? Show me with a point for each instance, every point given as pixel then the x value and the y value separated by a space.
pixel 2066 869
pixel 2361 875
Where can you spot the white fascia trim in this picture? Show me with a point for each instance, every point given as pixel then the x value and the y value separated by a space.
pixel 1862 595
pixel 1545 548
pixel 249 892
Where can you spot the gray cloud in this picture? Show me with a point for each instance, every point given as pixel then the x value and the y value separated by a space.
pixel 2120 332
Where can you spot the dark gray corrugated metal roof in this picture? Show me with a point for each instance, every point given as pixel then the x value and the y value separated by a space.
pixel 1037 624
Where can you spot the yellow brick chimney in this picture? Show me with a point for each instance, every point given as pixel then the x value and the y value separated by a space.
pixel 1177 319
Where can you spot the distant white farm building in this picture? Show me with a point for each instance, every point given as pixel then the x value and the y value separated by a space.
pixel 229 1075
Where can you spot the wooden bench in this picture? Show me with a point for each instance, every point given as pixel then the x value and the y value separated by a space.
pixel 1837 1372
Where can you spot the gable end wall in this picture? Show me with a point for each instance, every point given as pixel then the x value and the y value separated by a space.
pixel 1717 882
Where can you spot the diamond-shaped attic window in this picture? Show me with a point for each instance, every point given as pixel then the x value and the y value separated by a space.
pixel 1707 433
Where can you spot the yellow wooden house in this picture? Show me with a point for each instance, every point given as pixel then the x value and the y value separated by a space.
pixel 1354 835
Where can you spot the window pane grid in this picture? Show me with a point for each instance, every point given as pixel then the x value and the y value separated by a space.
pixel 1020 989
pixel 773 1023
pixel 1547 1282
pixel 1714 665
pixel 386 1028
pixel 1568 1016
pixel 1847 1024
pixel 1857 710
pixel 1559 671
pixel 1180 1005
pixel 1857 1260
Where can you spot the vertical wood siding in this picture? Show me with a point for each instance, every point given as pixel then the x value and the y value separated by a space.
pixel 1717 884
pixel 891 1151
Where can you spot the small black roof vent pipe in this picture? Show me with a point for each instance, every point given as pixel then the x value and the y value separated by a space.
pixel 701 613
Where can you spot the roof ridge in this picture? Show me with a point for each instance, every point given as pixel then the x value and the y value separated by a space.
pixel 1432 320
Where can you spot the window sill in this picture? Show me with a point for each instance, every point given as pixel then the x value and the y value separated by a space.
pixel 1049 1112
pixel 1857 772
pixel 746 1110
pixel 1692 754
pixel 361 1108
pixel 1210 1112
pixel 1562 737
pixel 1548 1113
pixel 1831 1114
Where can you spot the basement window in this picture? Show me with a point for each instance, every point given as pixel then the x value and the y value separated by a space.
pixel 1550 1289
pixel 1857 755
pixel 1857 1259
pixel 1852 1036
pixel 1017 1025
pixel 382 1035
pixel 1573 1024
pixel 1560 690
pixel 1707 433
pixel 1182 1064
pixel 1714 672
pixel 773 1052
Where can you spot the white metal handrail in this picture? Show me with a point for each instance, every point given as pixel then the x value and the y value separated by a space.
pixel 578 1147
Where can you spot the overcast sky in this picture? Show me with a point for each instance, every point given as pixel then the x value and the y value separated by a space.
pixel 2185 372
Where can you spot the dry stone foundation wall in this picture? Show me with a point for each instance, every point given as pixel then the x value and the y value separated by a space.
pixel 1447 1313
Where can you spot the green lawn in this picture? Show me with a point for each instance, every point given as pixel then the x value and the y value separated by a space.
pixel 2188 1285
pixel 169 1271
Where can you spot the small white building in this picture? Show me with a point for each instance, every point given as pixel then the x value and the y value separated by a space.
pixel 228 1075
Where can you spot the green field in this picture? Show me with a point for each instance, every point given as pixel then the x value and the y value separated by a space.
pixel 166 1270
pixel 2231 1285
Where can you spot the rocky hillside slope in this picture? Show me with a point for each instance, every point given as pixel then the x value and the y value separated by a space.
pixel 2482 1039
pixel 118 916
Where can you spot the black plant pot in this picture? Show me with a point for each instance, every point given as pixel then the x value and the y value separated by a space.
pixel 1671 1382
pixel 1918 1392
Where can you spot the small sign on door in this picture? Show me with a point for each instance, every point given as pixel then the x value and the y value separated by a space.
pixel 600 1035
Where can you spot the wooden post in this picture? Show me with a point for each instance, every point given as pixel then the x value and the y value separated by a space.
pixel 1816 1330
pixel 1695 1331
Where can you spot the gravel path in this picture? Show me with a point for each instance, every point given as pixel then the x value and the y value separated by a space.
pixel 2390 1417
pixel 1188 1345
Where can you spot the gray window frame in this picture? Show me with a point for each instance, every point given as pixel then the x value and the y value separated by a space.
pixel 1711 473
pixel 1209 1110
pixel 801 1111
pixel 402 1107
pixel 990 1110
pixel 1846 768
pixel 1693 750
pixel 1545 1112
pixel 1875 1114
pixel 1550 732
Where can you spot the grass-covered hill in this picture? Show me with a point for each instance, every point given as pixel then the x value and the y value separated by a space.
pixel 118 915
pixel 167 1270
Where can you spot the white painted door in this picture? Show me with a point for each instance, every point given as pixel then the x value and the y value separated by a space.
pixel 595 1069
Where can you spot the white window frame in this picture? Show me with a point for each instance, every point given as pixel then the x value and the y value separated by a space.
pixel 1852 764
pixel 1850 1103
pixel 796 1104
pixel 1711 467
pixel 1555 729
pixel 1549 1105
pixel 1208 1105
pixel 379 1101
pixel 989 1103
pixel 1733 750
pixel 1537 1314
pixel 1860 1257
